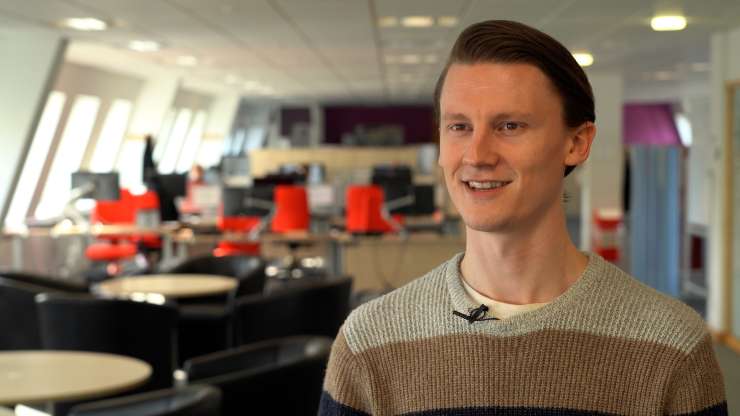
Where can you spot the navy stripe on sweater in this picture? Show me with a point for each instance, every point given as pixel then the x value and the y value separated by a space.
pixel 330 407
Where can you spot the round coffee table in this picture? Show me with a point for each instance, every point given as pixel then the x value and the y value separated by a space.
pixel 168 285
pixel 40 376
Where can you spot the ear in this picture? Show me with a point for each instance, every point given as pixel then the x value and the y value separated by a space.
pixel 579 144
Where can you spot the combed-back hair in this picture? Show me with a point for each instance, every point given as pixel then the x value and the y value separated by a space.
pixel 504 41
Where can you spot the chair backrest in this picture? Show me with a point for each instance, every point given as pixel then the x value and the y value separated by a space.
pixel 50 282
pixel 122 211
pixel 291 209
pixel 249 270
pixel 200 400
pixel 313 309
pixel 137 329
pixel 19 326
pixel 279 376
pixel 364 205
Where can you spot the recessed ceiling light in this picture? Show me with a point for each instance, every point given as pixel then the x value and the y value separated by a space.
pixel 84 23
pixel 187 60
pixel 584 58
pixel 144 45
pixel 410 59
pixel 447 21
pixel 430 58
pixel 668 23
pixel 417 21
pixel 388 21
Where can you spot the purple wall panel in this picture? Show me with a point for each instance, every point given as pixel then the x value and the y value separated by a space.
pixel 417 121
pixel 649 124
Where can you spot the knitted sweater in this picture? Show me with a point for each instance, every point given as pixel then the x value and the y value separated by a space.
pixel 609 345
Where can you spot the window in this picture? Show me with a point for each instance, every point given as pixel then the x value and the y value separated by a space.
pixel 175 141
pixel 131 165
pixel 190 148
pixel 68 156
pixel 164 134
pixel 109 142
pixel 35 159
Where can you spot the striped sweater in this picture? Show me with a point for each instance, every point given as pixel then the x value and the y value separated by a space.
pixel 609 345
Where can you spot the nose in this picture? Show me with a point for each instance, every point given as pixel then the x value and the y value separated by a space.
pixel 481 150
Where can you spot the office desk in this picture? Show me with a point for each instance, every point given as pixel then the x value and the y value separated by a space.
pixel 167 285
pixel 40 376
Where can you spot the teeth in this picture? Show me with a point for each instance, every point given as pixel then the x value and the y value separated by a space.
pixel 486 185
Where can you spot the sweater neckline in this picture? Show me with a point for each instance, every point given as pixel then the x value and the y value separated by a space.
pixel 576 293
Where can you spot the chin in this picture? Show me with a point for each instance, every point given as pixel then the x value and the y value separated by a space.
pixel 488 225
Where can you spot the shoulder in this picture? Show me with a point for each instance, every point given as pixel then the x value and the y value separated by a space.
pixel 387 318
pixel 627 307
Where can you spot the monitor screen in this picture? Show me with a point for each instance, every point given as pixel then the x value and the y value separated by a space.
pixel 174 184
pixel 396 182
pixel 423 200
pixel 105 185
pixel 247 202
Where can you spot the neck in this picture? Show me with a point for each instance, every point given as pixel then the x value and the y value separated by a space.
pixel 524 266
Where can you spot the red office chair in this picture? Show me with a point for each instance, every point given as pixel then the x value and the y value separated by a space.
pixel 146 202
pixel 364 205
pixel 292 214
pixel 117 247
pixel 113 248
pixel 235 248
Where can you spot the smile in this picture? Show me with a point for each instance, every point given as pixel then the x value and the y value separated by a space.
pixel 483 185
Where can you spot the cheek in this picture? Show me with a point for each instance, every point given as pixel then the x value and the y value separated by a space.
pixel 447 154
pixel 539 164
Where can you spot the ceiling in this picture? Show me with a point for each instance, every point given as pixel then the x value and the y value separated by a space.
pixel 335 51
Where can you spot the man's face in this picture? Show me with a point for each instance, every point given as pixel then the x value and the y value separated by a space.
pixel 503 144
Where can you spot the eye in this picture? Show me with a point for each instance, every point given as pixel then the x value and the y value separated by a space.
pixel 511 127
pixel 457 127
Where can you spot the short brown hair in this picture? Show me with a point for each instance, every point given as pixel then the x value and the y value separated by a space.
pixel 504 41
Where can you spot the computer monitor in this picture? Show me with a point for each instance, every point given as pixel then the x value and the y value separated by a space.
pixel 103 186
pixel 174 184
pixel 424 203
pixel 396 182
pixel 256 201
pixel 280 178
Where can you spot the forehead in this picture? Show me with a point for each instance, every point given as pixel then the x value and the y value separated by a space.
pixel 479 84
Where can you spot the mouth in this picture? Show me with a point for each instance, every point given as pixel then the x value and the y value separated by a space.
pixel 481 186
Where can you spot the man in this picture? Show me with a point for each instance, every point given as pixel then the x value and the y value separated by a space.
pixel 521 323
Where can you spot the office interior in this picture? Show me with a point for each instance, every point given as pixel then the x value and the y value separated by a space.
pixel 281 154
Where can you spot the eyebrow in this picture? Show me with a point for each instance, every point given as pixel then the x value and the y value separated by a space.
pixel 494 118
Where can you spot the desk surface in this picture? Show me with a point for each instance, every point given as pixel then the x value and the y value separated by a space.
pixel 168 285
pixel 36 376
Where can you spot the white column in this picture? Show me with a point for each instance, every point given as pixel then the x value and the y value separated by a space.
pixel 31 60
pixel 601 176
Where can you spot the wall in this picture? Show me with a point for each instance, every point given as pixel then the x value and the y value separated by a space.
pixel 152 104
pixel 725 64
pixel 601 176
pixel 77 79
pixel 191 100
pixel 32 59
pixel 417 121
